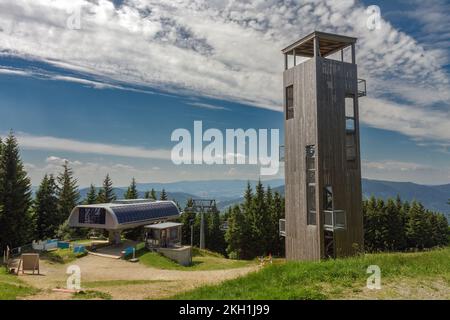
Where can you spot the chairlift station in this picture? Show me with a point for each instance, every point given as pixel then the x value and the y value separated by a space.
pixel 321 88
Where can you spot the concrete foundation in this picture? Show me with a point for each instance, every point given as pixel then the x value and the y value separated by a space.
pixel 182 255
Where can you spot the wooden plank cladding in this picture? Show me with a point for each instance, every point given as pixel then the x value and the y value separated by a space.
pixel 320 87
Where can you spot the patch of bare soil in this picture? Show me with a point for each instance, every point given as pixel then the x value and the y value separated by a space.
pixel 164 283
pixel 404 288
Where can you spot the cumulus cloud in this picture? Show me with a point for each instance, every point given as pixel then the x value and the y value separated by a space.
pixel 69 145
pixel 231 50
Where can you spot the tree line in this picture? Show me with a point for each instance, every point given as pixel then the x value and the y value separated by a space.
pixel 396 225
pixel 24 218
pixel 243 231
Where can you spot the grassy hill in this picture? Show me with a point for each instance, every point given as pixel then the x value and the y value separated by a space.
pixel 201 260
pixel 420 275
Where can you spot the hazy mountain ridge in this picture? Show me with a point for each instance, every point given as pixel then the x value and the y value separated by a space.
pixel 230 192
pixel 432 197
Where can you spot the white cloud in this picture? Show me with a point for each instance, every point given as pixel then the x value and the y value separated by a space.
pixel 231 50
pixel 207 106
pixel 405 171
pixel 70 145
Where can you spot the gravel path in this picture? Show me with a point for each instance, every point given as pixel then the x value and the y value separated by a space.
pixel 161 283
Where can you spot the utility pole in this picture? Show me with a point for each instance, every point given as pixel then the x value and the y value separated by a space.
pixel 201 206
pixel 192 232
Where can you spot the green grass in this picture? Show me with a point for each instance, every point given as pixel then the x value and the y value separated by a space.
pixel 329 279
pixel 116 283
pixel 201 260
pixel 11 287
pixel 91 294
pixel 61 256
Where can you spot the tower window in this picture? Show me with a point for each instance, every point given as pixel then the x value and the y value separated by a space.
pixel 350 113
pixel 289 102
pixel 311 184
pixel 350 145
pixel 328 198
pixel 350 128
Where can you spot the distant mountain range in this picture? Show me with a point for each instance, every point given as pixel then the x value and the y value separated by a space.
pixel 432 197
pixel 230 192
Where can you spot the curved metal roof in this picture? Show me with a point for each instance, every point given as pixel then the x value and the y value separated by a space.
pixel 115 216
pixel 131 213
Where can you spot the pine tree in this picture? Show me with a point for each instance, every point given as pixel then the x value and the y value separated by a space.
pixel 395 238
pixel 67 192
pixel 46 209
pixel 132 192
pixel 237 235
pixel 215 236
pixel 151 194
pixel 370 214
pixel 106 193
pixel 416 228
pixel 91 197
pixel 187 219
pixel 15 197
pixel 163 195
pixel 258 216
pixel 277 213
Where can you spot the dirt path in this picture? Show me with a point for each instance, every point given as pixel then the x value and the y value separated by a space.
pixel 124 280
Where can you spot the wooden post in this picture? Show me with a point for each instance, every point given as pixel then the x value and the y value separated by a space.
pixel 285 61
pixel 353 54
pixel 342 55
pixel 295 58
pixel 316 47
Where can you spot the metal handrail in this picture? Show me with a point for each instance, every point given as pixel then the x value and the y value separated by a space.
pixel 331 223
pixel 362 88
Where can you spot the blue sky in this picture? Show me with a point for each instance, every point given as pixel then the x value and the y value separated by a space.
pixel 107 96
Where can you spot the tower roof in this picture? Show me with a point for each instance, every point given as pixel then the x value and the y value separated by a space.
pixel 329 43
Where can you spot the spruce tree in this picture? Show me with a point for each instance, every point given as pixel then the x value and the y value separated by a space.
pixel 132 192
pixel 237 235
pixel 163 195
pixel 187 219
pixel 67 192
pixel 16 221
pixel 215 236
pixel 416 228
pixel 91 197
pixel 106 193
pixel 259 222
pixel 46 209
pixel 396 239
pixel 277 213
pixel 153 195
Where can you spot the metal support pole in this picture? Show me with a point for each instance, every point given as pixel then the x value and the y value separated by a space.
pixel 192 234
pixel 202 231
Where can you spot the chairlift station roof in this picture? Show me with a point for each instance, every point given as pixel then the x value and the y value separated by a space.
pixel 123 215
